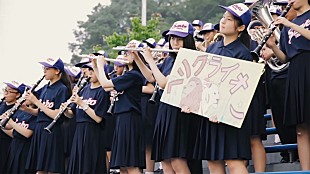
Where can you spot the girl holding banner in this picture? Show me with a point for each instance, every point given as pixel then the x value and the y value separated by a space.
pixel 226 143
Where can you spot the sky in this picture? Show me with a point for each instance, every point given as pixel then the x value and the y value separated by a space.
pixel 33 30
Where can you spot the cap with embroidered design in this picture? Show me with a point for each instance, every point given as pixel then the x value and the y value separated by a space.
pixel 181 29
pixel 53 63
pixel 240 11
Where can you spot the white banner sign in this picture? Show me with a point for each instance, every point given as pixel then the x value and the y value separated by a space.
pixel 212 85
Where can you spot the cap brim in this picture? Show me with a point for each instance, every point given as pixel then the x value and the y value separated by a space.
pixel 176 33
pixel 87 66
pixel 81 64
pixel 118 64
pixel 46 64
pixel 230 11
pixel 10 85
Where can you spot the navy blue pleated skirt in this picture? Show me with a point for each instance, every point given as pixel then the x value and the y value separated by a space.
pixel 88 153
pixel 46 151
pixel 149 112
pixel 257 109
pixel 109 129
pixel 128 148
pixel 223 142
pixel 171 133
pixel 296 107
pixel 17 157
pixel 68 129
pixel 4 146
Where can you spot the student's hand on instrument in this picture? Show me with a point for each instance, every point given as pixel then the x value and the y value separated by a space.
pixel 271 42
pixel 213 119
pixel 100 61
pixel 4 115
pixel 32 98
pixel 75 90
pixel 77 99
pixel 185 109
pixel 146 53
pixel 63 106
pixel 284 21
pixel 266 53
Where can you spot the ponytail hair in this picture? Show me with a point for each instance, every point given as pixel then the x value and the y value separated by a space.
pixel 64 78
pixel 244 36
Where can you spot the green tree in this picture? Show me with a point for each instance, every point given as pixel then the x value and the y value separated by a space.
pixel 119 21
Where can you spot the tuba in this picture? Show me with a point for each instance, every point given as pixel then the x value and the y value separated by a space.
pixel 261 12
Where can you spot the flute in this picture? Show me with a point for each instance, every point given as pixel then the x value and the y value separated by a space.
pixel 123 48
pixel 80 86
pixel 107 59
pixel 12 111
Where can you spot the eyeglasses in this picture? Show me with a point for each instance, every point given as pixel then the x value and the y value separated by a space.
pixel 6 91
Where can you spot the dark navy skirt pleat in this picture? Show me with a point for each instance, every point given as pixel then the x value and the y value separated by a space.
pixel 46 150
pixel 296 107
pixel 128 147
pixel 88 151
pixel 170 139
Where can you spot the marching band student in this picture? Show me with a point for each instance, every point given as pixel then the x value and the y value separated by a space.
pixel 69 125
pixel 46 154
pixel 208 32
pixel 20 127
pixel 170 140
pixel 294 48
pixel 225 142
pixel 90 106
pixel 119 69
pixel 276 87
pixel 128 149
pixel 10 95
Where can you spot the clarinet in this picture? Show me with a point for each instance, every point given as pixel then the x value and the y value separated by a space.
pixel 152 99
pixel 255 53
pixel 80 86
pixel 114 98
pixel 12 111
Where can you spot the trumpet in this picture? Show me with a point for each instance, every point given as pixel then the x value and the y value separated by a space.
pixel 12 111
pixel 123 48
pixel 255 53
pixel 107 59
pixel 80 86
pixel 153 97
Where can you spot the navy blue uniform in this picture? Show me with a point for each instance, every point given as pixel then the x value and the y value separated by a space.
pixel 47 150
pixel 128 148
pixel 171 131
pixel 5 140
pixel 222 141
pixel 88 153
pixel 297 50
pixel 19 148
pixel 149 112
